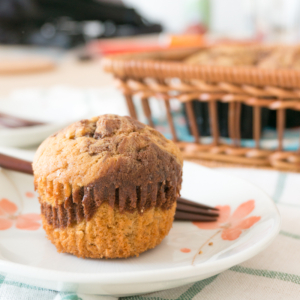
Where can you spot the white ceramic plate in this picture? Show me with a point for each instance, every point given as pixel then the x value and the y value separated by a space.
pixel 58 107
pixel 251 224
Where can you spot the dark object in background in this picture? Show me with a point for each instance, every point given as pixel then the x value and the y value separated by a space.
pixel 203 121
pixel 67 23
pixel 292 118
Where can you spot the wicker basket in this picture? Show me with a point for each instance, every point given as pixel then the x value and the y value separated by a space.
pixel 274 89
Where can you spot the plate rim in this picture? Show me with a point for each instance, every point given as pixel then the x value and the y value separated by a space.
pixel 156 275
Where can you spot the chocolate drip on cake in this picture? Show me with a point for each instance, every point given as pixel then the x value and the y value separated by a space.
pixel 88 200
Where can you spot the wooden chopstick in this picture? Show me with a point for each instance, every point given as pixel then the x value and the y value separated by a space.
pixel 194 217
pixel 210 211
pixel 10 121
pixel 187 210
pixel 15 164
pixel 195 204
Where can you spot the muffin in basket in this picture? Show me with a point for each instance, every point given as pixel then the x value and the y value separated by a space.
pixel 107 187
pixel 226 55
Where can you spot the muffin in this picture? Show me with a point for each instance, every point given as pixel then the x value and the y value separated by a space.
pixel 107 187
pixel 230 55
pixel 282 57
pixel 225 55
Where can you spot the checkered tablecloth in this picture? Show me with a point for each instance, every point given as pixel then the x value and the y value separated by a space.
pixel 272 274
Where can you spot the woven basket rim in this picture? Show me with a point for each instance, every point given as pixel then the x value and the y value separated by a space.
pixel 147 64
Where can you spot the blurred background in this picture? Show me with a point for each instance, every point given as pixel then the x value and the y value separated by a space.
pixel 68 24
pixel 50 51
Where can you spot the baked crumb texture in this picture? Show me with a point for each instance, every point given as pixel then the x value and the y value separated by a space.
pixel 107 187
pixel 111 234
pixel 278 57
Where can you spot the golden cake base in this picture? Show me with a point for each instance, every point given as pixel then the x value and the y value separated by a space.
pixel 111 234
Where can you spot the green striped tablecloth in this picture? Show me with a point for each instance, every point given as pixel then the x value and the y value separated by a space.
pixel 272 274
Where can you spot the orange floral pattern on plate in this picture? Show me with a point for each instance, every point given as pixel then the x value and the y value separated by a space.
pixel 8 217
pixel 185 250
pixel 29 194
pixel 232 226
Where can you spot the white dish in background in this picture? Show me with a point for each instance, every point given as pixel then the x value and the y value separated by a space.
pixel 57 107
pixel 32 259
